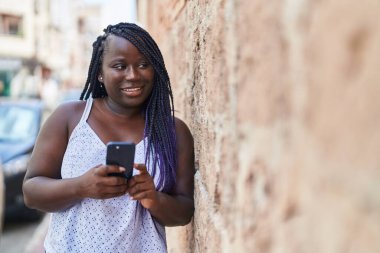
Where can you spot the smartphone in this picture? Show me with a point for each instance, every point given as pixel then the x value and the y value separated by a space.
pixel 121 154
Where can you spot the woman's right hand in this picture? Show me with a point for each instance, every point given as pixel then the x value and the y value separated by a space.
pixel 97 184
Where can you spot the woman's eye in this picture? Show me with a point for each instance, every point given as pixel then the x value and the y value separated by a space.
pixel 143 65
pixel 119 67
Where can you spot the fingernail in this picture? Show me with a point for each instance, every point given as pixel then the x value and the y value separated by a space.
pixel 122 169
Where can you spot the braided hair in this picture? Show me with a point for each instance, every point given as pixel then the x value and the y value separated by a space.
pixel 159 131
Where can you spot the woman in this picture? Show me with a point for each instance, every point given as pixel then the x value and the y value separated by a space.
pixel 127 97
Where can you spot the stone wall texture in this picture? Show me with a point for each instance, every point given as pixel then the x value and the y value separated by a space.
pixel 282 98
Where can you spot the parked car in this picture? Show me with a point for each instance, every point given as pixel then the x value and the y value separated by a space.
pixel 20 121
pixel 70 94
pixel 2 200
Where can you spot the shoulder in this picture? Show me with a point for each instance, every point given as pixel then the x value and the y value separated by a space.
pixel 67 114
pixel 72 106
pixel 69 109
pixel 183 133
pixel 181 126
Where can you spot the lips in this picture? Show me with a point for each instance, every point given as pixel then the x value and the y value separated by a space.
pixel 132 92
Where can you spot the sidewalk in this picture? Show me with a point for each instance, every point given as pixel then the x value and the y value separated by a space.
pixel 36 243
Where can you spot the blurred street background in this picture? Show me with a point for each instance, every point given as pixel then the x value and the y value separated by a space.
pixel 45 45
pixel 282 98
pixel 45 50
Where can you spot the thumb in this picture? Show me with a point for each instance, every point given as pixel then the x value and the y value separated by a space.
pixel 140 167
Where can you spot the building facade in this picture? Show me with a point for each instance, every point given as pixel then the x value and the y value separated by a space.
pixel 16 39
pixel 44 40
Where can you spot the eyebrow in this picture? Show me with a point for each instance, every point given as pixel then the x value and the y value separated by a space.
pixel 119 58
pixel 142 57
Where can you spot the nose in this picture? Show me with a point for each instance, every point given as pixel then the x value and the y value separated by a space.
pixel 131 73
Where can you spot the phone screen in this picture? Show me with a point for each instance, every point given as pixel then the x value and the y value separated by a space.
pixel 121 154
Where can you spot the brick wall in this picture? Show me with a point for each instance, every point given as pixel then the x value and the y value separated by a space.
pixel 282 100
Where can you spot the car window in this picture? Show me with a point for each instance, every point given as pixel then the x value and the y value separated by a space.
pixel 17 123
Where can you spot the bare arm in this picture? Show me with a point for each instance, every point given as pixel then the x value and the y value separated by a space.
pixel 176 208
pixel 43 187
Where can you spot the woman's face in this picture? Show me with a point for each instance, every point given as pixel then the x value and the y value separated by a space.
pixel 127 75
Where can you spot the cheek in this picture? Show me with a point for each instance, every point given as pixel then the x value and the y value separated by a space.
pixel 113 78
pixel 152 78
pixel 151 75
pixel 149 80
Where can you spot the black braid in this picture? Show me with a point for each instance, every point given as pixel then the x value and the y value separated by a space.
pixel 159 110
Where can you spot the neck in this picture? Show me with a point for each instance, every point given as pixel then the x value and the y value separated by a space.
pixel 120 111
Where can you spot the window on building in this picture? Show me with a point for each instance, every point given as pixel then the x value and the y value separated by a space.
pixel 11 25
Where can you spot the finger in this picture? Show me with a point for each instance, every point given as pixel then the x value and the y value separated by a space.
pixel 142 195
pixel 131 182
pixel 112 190
pixel 101 170
pixel 140 179
pixel 108 169
pixel 147 186
pixel 109 191
pixel 115 181
pixel 141 167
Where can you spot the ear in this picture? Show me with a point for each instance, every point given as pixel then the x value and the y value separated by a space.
pixel 100 78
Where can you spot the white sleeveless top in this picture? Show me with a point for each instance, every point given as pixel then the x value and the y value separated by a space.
pixel 109 225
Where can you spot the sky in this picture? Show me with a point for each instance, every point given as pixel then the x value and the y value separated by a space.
pixel 115 11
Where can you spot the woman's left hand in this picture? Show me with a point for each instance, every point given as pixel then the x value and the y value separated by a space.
pixel 141 187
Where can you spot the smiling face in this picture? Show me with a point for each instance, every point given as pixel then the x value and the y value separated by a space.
pixel 126 74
